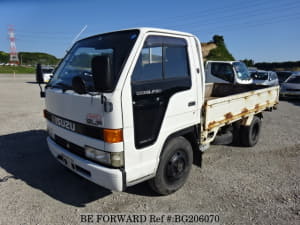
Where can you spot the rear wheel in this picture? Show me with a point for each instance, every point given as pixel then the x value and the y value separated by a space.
pixel 174 167
pixel 250 134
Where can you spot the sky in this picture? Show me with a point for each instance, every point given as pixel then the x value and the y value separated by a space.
pixel 262 30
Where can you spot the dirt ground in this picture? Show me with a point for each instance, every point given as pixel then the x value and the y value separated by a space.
pixel 259 185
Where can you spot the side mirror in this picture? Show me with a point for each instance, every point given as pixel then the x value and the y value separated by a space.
pixel 83 84
pixel 78 85
pixel 270 77
pixel 102 73
pixel 39 74
pixel 40 79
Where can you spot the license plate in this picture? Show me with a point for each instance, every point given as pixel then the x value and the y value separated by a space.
pixel 68 161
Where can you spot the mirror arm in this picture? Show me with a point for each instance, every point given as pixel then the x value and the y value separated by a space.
pixel 103 99
pixel 42 93
pixel 108 106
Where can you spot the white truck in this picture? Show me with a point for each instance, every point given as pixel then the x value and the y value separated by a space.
pixel 235 72
pixel 132 105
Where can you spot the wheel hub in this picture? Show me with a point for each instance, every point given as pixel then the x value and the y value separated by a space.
pixel 176 166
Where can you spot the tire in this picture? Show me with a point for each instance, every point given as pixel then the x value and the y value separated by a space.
pixel 250 134
pixel 174 166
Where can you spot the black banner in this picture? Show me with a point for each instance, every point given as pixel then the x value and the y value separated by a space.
pixel 94 132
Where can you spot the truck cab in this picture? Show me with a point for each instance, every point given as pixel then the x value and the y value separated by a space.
pixel 116 98
pixel 235 72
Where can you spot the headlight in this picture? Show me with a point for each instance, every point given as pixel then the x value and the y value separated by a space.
pixel 114 159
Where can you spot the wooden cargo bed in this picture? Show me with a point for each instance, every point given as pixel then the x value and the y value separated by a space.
pixel 226 103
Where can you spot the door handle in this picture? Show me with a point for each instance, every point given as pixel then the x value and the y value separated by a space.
pixel 192 103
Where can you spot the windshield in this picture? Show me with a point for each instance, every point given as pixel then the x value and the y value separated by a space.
pixel 260 75
pixel 294 79
pixel 241 71
pixel 77 62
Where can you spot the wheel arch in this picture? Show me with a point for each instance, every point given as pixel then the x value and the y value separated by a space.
pixel 192 135
pixel 175 162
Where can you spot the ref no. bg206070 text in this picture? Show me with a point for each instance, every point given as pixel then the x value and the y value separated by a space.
pixel 179 218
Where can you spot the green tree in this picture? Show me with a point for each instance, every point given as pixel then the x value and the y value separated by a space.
pixel 4 57
pixel 33 58
pixel 248 62
pixel 218 40
pixel 220 52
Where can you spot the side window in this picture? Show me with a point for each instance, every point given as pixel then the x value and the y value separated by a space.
pixel 176 62
pixel 149 65
pixel 223 71
pixel 162 58
pixel 271 77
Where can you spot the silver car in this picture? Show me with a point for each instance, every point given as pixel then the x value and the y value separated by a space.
pixel 262 77
pixel 291 87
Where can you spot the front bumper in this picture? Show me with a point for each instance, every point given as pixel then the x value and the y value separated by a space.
pixel 106 177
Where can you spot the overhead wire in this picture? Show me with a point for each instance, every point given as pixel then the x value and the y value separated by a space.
pixel 248 24
pixel 230 11
pixel 234 11
pixel 260 13
pixel 244 15
pixel 205 11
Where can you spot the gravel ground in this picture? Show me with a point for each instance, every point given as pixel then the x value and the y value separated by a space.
pixel 259 185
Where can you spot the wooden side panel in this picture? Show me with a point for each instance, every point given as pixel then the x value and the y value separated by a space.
pixel 220 111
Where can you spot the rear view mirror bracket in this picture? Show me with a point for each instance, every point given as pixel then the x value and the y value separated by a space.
pixel 42 92
pixel 39 78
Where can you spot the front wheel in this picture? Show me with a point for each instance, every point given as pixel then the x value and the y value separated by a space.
pixel 174 167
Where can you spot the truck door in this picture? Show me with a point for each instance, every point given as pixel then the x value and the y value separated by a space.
pixel 157 76
pixel 162 100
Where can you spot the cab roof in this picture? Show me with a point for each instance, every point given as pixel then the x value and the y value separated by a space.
pixel 144 30
pixel 152 29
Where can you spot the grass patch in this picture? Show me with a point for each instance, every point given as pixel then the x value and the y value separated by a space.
pixel 16 69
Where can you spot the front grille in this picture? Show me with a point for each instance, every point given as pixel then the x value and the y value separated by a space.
pixel 293 89
pixel 87 130
pixel 77 150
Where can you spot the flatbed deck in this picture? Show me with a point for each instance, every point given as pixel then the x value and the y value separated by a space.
pixel 227 103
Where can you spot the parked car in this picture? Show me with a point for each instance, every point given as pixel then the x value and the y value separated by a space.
pixel 252 69
pixel 262 77
pixel 235 72
pixel 47 72
pixel 283 75
pixel 291 87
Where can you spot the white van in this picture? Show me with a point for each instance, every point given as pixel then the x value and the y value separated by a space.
pixel 235 72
